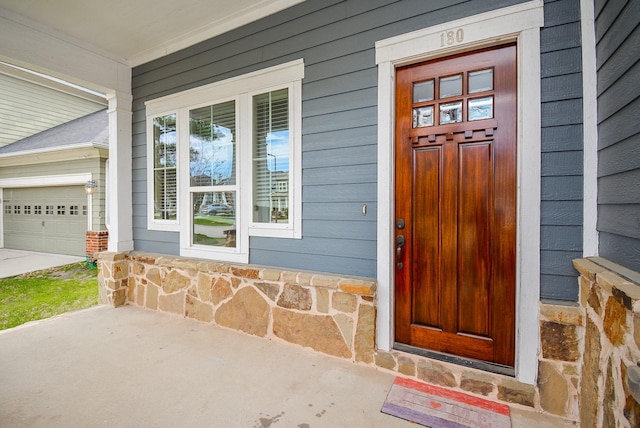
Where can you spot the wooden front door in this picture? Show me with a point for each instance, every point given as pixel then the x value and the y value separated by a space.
pixel 455 199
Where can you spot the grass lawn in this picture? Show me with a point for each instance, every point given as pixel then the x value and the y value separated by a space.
pixel 43 294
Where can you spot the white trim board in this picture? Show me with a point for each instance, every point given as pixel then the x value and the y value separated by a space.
pixel 590 238
pixel 46 180
pixel 520 23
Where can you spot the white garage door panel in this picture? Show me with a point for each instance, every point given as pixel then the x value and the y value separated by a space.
pixel 47 219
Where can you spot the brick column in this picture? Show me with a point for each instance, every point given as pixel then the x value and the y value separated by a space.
pixel 97 242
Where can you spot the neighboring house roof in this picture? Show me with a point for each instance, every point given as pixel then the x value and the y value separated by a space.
pixel 92 129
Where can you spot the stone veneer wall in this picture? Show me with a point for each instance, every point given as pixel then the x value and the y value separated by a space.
pixel 611 344
pixel 330 314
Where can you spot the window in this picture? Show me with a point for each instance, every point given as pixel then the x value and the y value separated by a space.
pixel 270 156
pixel 84 210
pixel 224 162
pixel 165 190
pixel 37 209
pixel 7 209
pixel 27 209
pixel 73 210
pixel 61 209
pixel 49 210
pixel 16 209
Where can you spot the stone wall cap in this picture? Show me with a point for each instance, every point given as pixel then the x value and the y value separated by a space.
pixel 587 268
pixel 111 255
pixel 622 271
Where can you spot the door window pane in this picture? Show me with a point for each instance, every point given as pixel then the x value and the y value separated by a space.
pixel 423 91
pixel 480 81
pixel 481 108
pixel 214 219
pixel 164 165
pixel 271 157
pixel 451 112
pixel 212 145
pixel 451 86
pixel 423 116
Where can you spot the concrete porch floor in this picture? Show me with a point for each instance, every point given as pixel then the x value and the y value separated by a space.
pixel 130 367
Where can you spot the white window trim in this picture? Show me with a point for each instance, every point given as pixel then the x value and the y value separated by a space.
pixel 291 229
pixel 241 88
pixel 520 23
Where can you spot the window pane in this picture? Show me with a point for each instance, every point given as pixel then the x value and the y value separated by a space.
pixel 480 81
pixel 423 116
pixel 214 219
pixel 451 86
pixel 423 91
pixel 480 108
pixel 212 145
pixel 164 162
pixel 451 113
pixel 271 157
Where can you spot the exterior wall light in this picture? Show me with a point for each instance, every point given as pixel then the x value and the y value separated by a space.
pixel 90 187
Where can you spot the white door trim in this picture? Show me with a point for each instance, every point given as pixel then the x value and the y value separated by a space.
pixel 520 23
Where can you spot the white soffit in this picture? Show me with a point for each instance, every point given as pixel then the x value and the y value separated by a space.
pixel 135 32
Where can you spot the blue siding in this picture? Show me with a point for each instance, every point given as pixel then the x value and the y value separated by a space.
pixel 617 53
pixel 562 144
pixel 339 151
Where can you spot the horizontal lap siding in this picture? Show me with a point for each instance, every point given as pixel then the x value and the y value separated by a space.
pixel 336 39
pixel 562 149
pixel 617 53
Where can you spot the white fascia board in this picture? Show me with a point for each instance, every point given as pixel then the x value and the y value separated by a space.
pixel 31 45
pixel 30 157
pixel 46 180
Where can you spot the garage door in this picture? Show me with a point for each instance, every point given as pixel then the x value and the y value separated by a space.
pixel 46 219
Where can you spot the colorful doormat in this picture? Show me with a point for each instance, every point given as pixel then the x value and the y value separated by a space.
pixel 437 407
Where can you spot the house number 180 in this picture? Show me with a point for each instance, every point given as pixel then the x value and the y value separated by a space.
pixel 450 37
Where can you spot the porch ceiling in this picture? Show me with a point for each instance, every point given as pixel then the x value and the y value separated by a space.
pixel 135 32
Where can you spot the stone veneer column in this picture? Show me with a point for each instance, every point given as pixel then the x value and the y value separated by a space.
pixel 612 343
pixel 561 345
pixel 113 278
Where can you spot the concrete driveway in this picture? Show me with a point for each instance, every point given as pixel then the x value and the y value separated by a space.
pixel 16 262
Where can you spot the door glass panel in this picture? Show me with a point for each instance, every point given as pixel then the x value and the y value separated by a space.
pixel 212 145
pixel 423 116
pixel 214 219
pixel 481 108
pixel 423 91
pixel 451 86
pixel 451 112
pixel 480 81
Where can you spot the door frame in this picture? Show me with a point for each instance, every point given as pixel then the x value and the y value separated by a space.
pixel 520 23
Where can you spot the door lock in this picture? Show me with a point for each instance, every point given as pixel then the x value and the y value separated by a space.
pixel 399 244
